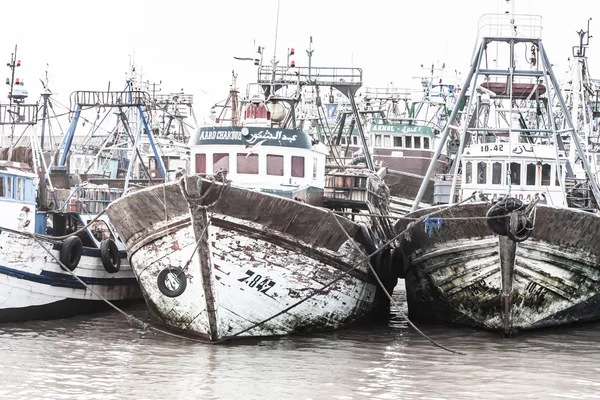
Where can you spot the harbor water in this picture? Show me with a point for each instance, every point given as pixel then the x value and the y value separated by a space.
pixel 103 356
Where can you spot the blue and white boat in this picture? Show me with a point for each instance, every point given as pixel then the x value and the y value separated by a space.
pixel 33 285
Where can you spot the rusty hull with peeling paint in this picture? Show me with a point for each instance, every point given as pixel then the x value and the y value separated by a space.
pixel 454 276
pixel 256 264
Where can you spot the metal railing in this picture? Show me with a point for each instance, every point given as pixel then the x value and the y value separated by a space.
pixel 509 25
pixel 388 93
pixel 321 76
pixel 18 114
pixel 109 99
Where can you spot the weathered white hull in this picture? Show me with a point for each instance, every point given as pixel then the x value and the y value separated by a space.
pixel 455 275
pixel 244 277
pixel 33 285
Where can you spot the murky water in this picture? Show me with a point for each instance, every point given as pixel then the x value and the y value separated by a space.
pixel 104 357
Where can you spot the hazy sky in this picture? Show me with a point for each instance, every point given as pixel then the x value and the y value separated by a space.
pixel 191 44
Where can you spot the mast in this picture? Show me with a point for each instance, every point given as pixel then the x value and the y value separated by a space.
pixel 13 64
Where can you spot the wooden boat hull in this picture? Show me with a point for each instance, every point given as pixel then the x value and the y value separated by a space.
pixel 253 265
pixel 33 285
pixel 455 275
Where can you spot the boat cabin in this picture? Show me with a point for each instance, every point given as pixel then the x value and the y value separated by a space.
pixel 17 196
pixel 524 171
pixel 280 161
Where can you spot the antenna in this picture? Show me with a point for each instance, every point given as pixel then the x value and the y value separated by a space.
pixel 310 53
pixel 276 30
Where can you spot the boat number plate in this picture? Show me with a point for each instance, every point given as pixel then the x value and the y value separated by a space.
pixel 487 148
pixel 257 281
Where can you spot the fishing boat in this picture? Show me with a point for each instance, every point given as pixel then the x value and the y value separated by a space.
pixel 58 263
pixel 59 255
pixel 515 247
pixel 242 246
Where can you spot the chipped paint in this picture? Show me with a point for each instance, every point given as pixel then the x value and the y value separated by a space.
pixel 245 276
pixel 455 276
pixel 30 278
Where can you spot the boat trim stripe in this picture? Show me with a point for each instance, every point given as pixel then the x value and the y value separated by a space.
pixel 63 280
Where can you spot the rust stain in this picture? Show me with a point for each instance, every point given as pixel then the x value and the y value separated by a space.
pixel 175 245
pixel 218 268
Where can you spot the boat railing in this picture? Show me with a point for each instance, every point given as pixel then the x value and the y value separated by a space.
pixel 321 76
pixel 579 194
pixel 348 189
pixel 508 26
pixel 416 122
pixel 387 93
pixel 93 200
pixel 109 99
pixel 174 98
pixel 18 114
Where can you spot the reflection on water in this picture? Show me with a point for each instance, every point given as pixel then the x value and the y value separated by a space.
pixel 104 357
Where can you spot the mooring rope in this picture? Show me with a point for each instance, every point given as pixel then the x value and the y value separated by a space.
pixel 39 235
pixel 389 296
pixel 132 319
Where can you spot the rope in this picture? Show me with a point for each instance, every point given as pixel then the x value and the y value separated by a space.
pixel 412 325
pixel 129 317
pixel 39 235
pixel 415 218
pixel 314 293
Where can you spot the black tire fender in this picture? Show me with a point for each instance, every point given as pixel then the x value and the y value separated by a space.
pixel 397 262
pixel 70 252
pixel 366 239
pixel 177 281
pixel 110 255
pixel 522 233
pixel 500 225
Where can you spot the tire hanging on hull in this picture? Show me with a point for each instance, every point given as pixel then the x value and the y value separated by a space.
pixel 70 252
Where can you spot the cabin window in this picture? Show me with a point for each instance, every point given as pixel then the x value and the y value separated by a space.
pixel 2 186
pixel 496 173
pixel 546 174
pixel 315 167
pixel 426 143
pixel 530 175
pixel 387 141
pixel 469 172
pixel 417 142
pixel 152 164
pixel 220 160
pixel 397 141
pixel 558 176
pixel 515 173
pixel 297 167
pixel 408 141
pixel 377 140
pixel 20 189
pixel 247 163
pixel 354 140
pixel 343 141
pixel 481 172
pixel 9 187
pixel 274 165
pixel 200 163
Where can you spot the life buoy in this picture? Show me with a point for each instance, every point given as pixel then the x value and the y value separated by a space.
pixel 366 238
pixel 172 281
pixel 70 252
pixel 110 255
pixel 24 218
